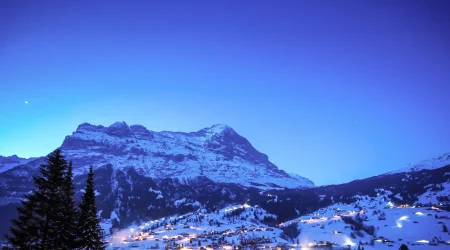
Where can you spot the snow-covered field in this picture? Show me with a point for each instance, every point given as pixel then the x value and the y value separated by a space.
pixel 416 227
pixel 394 224
pixel 222 229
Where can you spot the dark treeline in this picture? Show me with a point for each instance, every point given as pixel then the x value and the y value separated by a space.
pixel 49 218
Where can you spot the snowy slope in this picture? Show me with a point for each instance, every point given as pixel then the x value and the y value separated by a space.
pixel 302 179
pixel 379 220
pixel 414 226
pixel 222 229
pixel 398 225
pixel 433 163
pixel 218 153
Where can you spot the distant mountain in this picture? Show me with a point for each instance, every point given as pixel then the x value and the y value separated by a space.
pixel 433 163
pixel 8 162
pixel 218 153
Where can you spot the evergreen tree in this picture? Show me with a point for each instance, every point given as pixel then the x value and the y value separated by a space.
pixel 68 229
pixel 41 214
pixel 25 230
pixel 50 194
pixel 403 247
pixel 89 233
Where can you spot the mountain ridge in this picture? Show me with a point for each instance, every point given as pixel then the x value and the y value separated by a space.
pixel 9 162
pixel 430 163
pixel 217 152
pixel 123 130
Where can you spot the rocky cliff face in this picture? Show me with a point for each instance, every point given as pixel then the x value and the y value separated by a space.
pixel 218 153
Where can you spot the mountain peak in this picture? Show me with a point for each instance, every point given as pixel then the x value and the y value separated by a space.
pixel 218 128
pixel 217 152
pixel 119 125
pixel 119 129
pixel 88 126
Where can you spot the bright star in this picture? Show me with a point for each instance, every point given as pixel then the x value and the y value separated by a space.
pixel 26 102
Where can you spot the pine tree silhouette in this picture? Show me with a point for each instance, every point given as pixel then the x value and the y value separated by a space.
pixel 42 212
pixel 403 247
pixel 89 233
pixel 25 230
pixel 50 194
pixel 69 230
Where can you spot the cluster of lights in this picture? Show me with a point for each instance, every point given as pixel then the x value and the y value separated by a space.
pixel 234 208
pixel 403 218
pixel 140 235
pixel 348 242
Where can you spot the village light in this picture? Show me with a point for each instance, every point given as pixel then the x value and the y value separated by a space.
pixel 348 242
pixel 403 218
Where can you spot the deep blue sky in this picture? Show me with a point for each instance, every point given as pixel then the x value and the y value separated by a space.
pixel 332 90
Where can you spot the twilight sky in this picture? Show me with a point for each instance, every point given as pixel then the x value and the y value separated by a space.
pixel 333 90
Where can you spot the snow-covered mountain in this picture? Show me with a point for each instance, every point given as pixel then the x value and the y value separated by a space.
pixel 8 162
pixel 217 152
pixel 432 163
pixel 301 179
